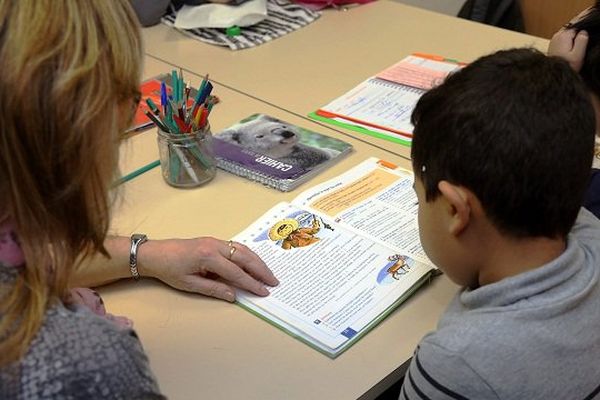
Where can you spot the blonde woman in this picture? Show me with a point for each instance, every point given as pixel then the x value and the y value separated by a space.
pixel 69 83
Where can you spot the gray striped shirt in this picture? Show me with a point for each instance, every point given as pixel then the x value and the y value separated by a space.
pixel 532 336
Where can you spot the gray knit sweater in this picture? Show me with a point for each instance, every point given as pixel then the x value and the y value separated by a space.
pixel 78 355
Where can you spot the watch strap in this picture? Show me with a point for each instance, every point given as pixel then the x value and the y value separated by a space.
pixel 137 239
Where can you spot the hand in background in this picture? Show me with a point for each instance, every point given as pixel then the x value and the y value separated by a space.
pixel 569 45
pixel 207 266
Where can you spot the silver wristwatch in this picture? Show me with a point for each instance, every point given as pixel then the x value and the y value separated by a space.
pixel 136 241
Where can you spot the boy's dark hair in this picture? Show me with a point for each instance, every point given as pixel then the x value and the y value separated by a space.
pixel 517 129
pixel 590 71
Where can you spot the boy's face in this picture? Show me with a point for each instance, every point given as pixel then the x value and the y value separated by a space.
pixel 443 247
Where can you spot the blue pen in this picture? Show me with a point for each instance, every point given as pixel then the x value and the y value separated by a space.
pixel 200 96
pixel 163 97
pixel 205 93
pixel 201 89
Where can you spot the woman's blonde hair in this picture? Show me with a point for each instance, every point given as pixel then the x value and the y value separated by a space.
pixel 68 66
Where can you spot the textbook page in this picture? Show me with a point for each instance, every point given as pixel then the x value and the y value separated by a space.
pixel 334 283
pixel 375 199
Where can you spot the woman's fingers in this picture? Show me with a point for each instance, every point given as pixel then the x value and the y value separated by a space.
pixel 250 262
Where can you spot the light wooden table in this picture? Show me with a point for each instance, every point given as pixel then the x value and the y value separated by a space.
pixel 204 348
pixel 312 66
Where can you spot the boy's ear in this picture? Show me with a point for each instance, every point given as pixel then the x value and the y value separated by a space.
pixel 458 206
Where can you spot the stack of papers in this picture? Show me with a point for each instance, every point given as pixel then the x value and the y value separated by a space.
pixel 381 106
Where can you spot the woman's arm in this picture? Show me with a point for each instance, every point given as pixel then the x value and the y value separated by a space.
pixel 200 265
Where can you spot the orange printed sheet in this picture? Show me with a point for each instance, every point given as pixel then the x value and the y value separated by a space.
pixel 149 89
pixel 413 75
pixel 354 193
pixel 382 105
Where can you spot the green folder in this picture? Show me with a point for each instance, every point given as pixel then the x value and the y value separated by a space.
pixel 360 129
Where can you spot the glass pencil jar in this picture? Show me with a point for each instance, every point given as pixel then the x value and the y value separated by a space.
pixel 187 159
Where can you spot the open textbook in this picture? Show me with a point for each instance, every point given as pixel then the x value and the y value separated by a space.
pixel 346 253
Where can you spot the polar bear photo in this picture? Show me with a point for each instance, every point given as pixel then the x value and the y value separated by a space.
pixel 276 139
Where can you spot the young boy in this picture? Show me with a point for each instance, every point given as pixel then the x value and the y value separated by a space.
pixel 501 154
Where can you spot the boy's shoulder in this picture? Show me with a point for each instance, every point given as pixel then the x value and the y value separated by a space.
pixel 80 354
pixel 586 232
pixel 518 332
pixel 503 313
pixel 505 361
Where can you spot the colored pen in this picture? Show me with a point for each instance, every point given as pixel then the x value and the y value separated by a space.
pixel 198 95
pixel 152 106
pixel 163 97
pixel 203 94
pixel 174 115
pixel 174 85
pixel 137 172
pixel 156 121
pixel 180 85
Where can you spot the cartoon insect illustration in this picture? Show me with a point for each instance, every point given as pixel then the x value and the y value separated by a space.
pixel 400 267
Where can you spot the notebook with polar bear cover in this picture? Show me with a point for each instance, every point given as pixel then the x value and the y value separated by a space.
pixel 274 152
pixel 346 252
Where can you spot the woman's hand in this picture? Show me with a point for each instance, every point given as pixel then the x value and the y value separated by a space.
pixel 206 265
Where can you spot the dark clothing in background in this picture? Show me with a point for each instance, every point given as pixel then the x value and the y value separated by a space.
pixel 592 196
pixel 149 12
pixel 501 13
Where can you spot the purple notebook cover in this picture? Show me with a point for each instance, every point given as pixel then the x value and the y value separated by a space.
pixel 255 161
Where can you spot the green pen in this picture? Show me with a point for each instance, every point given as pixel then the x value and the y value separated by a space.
pixel 156 121
pixel 137 172
pixel 152 106
pixel 175 86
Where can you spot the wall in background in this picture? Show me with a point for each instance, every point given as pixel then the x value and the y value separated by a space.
pixel 544 17
pixel 449 7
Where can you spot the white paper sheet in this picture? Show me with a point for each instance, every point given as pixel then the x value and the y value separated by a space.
pixel 221 15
